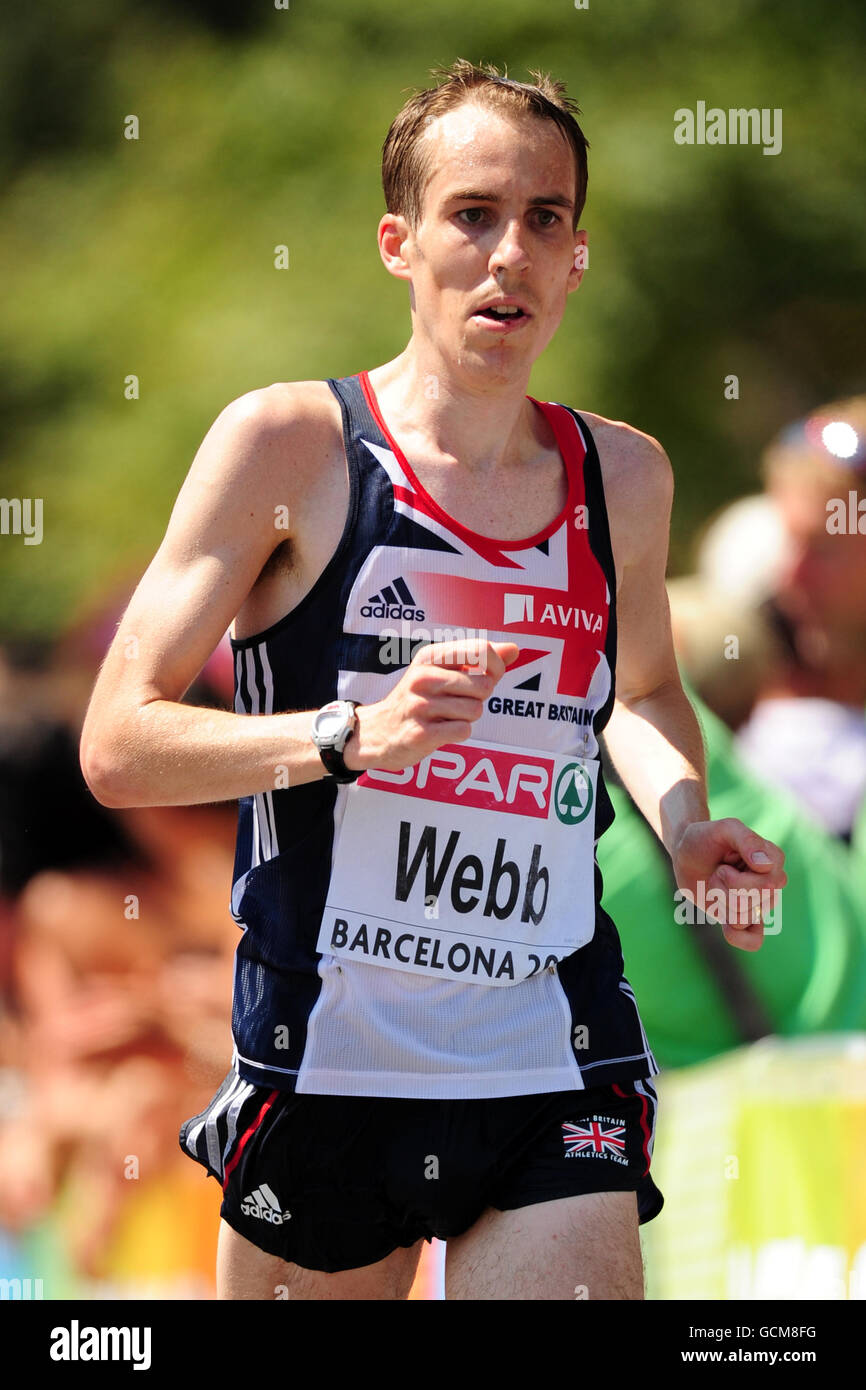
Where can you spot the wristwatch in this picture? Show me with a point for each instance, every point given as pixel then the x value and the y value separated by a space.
pixel 333 726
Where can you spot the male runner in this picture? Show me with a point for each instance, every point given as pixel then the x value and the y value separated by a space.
pixel 433 1034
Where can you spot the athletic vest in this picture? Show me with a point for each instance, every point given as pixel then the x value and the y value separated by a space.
pixel 438 932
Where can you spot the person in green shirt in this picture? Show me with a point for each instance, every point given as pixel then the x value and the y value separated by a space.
pixel 699 999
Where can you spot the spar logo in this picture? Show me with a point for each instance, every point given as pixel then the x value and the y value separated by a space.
pixel 573 796
pixel 488 779
pixel 491 779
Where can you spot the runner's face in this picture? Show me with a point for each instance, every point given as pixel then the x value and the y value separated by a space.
pixel 516 239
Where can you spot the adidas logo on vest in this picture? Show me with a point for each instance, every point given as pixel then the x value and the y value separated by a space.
pixel 394 601
pixel 265 1206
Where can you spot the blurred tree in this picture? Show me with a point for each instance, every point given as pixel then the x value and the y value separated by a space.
pixel 154 257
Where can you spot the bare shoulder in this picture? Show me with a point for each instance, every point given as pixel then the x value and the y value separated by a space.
pixel 638 487
pixel 268 446
pixel 282 477
pixel 288 402
pixel 284 412
pixel 629 457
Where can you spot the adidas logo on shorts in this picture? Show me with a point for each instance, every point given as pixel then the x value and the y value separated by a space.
pixel 265 1206
pixel 394 601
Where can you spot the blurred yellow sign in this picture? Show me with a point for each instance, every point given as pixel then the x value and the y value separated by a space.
pixel 760 1155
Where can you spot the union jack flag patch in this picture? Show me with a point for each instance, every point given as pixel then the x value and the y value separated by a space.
pixel 599 1137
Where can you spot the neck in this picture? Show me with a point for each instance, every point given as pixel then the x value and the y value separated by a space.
pixel 441 409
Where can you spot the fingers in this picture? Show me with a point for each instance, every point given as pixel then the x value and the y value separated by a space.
pixel 475 655
pixel 447 707
pixel 736 900
pixel 741 905
pixel 441 682
pixel 758 854
pixel 734 880
pixel 450 731
pixel 506 651
pixel 437 700
pixel 746 938
pixel 434 681
pixel 743 890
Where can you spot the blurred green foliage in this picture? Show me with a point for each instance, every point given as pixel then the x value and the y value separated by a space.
pixel 261 126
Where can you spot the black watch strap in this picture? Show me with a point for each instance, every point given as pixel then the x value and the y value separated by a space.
pixel 336 766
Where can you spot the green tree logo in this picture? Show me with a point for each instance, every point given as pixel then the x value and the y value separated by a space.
pixel 573 795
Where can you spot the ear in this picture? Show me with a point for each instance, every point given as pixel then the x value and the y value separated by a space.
pixel 581 260
pixel 393 235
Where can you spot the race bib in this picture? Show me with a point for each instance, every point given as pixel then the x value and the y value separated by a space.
pixel 477 864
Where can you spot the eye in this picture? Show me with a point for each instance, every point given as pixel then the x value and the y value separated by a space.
pixel 473 221
pixel 546 212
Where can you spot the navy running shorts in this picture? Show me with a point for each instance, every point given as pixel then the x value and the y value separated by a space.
pixel 333 1183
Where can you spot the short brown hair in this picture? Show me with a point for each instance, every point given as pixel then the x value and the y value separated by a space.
pixel 406 169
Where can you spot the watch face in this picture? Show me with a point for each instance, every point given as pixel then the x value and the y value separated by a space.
pixel 328 725
pixel 330 721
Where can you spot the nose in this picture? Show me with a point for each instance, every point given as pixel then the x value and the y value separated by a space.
pixel 510 252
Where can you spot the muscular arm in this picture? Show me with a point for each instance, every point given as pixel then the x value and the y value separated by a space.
pixel 140 745
pixel 653 735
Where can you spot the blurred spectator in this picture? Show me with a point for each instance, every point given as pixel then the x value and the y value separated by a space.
pixel 744 550
pixel 117 955
pixel 700 998
pixel 808 729
pixel 729 649
pixel 770 635
pixel 771 631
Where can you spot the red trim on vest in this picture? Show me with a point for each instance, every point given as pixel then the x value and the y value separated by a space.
pixel 572 450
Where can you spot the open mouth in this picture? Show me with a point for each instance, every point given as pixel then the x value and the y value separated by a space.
pixel 501 313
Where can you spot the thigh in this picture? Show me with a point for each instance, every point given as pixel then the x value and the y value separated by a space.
pixel 246 1272
pixel 573 1247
